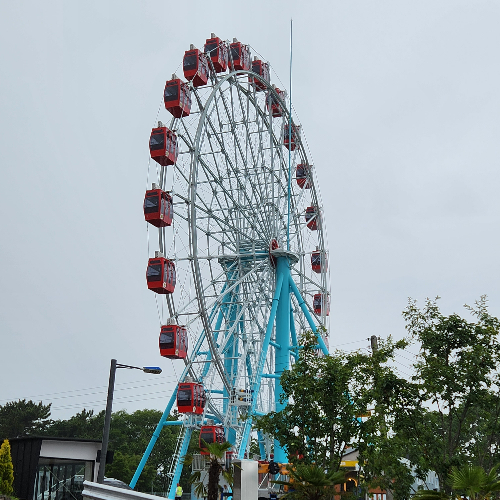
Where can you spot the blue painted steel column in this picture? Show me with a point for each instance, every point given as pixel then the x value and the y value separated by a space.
pixel 166 413
pixel 282 354
pixel 229 362
pixel 154 437
pixel 180 463
pixel 260 368
pixel 293 333
pixel 308 316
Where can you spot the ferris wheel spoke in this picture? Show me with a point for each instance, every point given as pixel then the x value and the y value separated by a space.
pixel 190 305
pixel 257 190
pixel 229 162
pixel 229 195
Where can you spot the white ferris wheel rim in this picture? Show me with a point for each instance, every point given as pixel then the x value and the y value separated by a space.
pixel 194 253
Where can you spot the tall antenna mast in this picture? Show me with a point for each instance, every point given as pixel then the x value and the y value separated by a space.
pixel 290 141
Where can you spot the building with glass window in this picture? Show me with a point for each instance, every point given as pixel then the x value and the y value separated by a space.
pixel 53 468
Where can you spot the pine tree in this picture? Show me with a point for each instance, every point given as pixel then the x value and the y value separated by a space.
pixel 6 469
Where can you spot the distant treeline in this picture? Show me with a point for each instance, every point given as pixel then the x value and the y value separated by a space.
pixel 129 435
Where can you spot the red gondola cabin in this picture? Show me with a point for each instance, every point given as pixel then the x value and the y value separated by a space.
pixel 240 56
pixel 262 69
pixel 173 342
pixel 216 51
pixel 191 398
pixel 321 302
pixel 158 207
pixel 312 218
pixel 211 434
pixel 195 66
pixel 160 275
pixel 319 261
pixel 302 175
pixel 177 97
pixel 295 136
pixel 276 105
pixel 163 146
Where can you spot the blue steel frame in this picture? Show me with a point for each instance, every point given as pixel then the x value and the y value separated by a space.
pixel 280 320
pixel 282 315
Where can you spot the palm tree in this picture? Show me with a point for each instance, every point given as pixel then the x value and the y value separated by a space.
pixel 216 453
pixel 474 482
pixel 470 480
pixel 311 482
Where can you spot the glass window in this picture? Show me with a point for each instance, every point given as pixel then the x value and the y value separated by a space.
pixel 191 62
pixel 59 479
pixel 317 301
pixel 184 397
pixel 171 93
pixel 235 52
pixel 151 204
pixel 316 259
pixel 154 272
pixel 167 340
pixel 156 141
pixel 257 68
pixel 211 49
pixel 208 437
pixel 301 172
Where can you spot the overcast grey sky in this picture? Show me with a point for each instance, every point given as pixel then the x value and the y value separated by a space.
pixel 400 104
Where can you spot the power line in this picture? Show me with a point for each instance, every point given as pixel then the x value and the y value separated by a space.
pixel 91 404
pixel 169 378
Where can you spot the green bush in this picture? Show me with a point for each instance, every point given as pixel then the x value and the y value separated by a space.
pixel 6 469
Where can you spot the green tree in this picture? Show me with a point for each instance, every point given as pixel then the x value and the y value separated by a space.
pixel 326 398
pixel 320 418
pixel 472 481
pixel 124 466
pixel 83 425
pixel 310 482
pixel 456 379
pixel 23 418
pixel 129 436
pixel 325 395
pixel 6 469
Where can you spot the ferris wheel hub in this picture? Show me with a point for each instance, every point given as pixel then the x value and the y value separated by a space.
pixel 281 252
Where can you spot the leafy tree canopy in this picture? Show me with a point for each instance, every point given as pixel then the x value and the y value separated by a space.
pixel 23 418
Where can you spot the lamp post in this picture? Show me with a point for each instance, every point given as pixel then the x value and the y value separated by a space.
pixel 107 419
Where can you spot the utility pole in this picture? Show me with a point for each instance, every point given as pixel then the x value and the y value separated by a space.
pixel 107 422
pixel 156 370
pixel 374 343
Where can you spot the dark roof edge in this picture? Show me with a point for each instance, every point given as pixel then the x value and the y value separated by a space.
pixel 49 438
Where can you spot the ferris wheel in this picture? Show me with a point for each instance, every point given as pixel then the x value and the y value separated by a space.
pixel 240 266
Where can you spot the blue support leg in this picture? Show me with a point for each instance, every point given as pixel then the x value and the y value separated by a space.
pixel 282 355
pixel 294 347
pixel 180 463
pixel 166 413
pixel 260 369
pixel 154 437
pixel 308 316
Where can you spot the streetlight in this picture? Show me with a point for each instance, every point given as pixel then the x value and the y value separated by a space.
pixel 156 370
